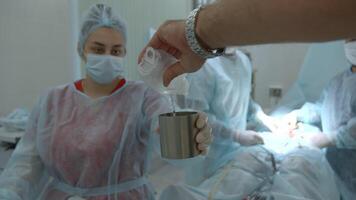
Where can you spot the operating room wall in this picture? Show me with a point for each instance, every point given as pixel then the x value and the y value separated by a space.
pixel 276 65
pixel 34 50
pixel 140 15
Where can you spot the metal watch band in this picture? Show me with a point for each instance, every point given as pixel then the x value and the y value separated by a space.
pixel 192 39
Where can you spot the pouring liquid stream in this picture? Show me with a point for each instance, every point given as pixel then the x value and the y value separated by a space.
pixel 173 105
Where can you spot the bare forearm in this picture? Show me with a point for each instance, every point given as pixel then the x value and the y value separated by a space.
pixel 244 22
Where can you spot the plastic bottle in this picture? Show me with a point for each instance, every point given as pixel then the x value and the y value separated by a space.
pixel 152 68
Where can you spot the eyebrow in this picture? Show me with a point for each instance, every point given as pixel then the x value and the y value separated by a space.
pixel 117 46
pixel 103 45
pixel 99 44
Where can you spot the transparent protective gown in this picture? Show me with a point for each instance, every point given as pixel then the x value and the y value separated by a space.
pixel 335 115
pixel 335 110
pixel 255 173
pixel 77 146
pixel 222 90
pixel 338 111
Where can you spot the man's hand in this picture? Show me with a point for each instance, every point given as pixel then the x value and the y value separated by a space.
pixel 170 37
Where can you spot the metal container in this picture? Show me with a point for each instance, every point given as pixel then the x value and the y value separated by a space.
pixel 177 135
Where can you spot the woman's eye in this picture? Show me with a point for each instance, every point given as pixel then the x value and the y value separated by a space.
pixel 99 51
pixel 115 52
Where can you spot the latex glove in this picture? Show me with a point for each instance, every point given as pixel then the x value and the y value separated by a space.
pixel 285 125
pixel 268 121
pixel 290 121
pixel 317 140
pixel 204 137
pixel 248 138
pixel 170 37
pixel 320 140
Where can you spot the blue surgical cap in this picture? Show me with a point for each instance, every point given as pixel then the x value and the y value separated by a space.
pixel 98 16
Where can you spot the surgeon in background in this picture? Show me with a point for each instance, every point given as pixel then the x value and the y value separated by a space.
pixel 90 139
pixel 223 97
pixel 222 90
pixel 335 113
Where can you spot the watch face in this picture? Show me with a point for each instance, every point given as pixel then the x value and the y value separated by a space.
pixel 219 51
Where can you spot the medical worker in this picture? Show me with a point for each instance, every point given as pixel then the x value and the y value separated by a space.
pixel 336 113
pixel 222 90
pixel 90 139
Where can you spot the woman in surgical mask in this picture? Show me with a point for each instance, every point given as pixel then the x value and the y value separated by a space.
pixel 90 139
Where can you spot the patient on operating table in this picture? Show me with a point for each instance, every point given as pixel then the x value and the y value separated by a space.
pixel 281 168
pixel 284 167
pixel 290 165
pixel 329 124
pixel 256 173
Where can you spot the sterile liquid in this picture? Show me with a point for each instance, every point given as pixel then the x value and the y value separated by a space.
pixel 173 105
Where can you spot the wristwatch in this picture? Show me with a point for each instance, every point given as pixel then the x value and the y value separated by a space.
pixel 192 38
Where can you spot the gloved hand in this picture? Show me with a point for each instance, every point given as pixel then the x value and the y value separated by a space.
pixel 248 138
pixel 317 140
pixel 204 137
pixel 290 121
pixel 320 140
pixel 285 125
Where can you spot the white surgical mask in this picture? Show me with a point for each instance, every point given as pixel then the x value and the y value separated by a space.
pixel 350 51
pixel 104 69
